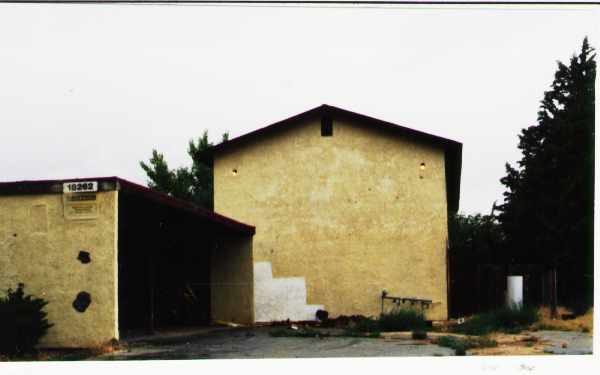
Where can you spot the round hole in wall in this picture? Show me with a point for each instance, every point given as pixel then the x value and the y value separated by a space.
pixel 234 171
pixel 84 257
pixel 422 166
pixel 82 301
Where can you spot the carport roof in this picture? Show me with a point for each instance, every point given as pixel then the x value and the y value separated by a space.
pixel 31 187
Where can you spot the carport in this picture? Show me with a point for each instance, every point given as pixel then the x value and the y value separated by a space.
pixel 179 264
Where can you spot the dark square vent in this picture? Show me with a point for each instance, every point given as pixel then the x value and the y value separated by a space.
pixel 326 126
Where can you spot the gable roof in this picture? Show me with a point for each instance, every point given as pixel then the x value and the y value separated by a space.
pixel 32 187
pixel 452 149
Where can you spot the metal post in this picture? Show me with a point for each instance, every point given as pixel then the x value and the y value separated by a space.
pixel 552 292
pixel 543 279
pixel 478 288
pixel 554 312
pixel 151 276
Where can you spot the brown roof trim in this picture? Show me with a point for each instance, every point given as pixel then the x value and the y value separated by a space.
pixel 30 187
pixel 453 149
pixel 167 200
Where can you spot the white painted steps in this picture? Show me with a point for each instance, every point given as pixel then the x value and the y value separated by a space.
pixel 282 298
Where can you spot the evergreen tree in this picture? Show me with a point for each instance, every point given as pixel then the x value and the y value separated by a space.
pixel 547 214
pixel 194 184
pixel 474 240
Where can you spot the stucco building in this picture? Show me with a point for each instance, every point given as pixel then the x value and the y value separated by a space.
pixel 345 206
pixel 112 257
pixel 340 206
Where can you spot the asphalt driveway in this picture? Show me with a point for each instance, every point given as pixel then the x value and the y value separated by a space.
pixel 238 343
pixel 256 343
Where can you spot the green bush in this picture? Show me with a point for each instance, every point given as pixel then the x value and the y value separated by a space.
pixel 509 320
pixel 452 342
pixel 22 322
pixel 403 319
pixel 461 345
pixel 419 335
pixel 365 325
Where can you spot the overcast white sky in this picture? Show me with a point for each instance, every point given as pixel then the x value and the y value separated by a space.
pixel 89 90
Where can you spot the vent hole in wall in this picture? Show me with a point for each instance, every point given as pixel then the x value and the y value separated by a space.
pixel 82 301
pixel 326 126
pixel 84 257
pixel 234 171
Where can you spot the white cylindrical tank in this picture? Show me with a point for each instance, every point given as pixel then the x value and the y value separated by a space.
pixel 514 291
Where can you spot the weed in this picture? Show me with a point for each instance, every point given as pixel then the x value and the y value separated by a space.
pixel 403 319
pixel 461 345
pixel 580 323
pixel 508 320
pixel 366 325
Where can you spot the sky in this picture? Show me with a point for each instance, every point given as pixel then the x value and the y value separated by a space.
pixel 90 90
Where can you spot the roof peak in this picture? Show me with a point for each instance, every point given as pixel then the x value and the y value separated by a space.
pixel 452 149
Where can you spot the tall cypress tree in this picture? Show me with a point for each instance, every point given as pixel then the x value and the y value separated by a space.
pixel 547 214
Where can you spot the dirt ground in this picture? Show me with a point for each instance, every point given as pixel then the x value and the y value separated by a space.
pixel 539 343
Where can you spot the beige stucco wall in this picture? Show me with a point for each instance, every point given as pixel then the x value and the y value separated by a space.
pixel 232 292
pixel 350 214
pixel 39 247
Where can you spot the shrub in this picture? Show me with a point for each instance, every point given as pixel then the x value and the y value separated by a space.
pixel 461 345
pixel 517 317
pixel 362 326
pixel 365 325
pixel 403 319
pixel 419 335
pixel 509 320
pixel 22 322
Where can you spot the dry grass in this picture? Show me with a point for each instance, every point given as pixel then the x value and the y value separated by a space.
pixel 535 349
pixel 511 345
pixel 582 323
pixel 527 345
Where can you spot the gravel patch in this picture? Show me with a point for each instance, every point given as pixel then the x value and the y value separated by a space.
pixel 564 342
